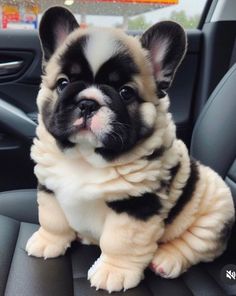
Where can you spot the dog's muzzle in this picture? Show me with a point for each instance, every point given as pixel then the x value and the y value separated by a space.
pixel 88 107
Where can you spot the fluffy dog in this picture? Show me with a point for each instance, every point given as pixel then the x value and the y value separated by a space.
pixel 109 166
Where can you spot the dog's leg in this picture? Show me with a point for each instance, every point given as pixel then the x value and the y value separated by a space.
pixel 205 240
pixel 128 246
pixel 55 235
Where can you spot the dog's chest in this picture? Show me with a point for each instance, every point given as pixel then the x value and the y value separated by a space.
pixel 75 186
pixel 86 217
pixel 82 189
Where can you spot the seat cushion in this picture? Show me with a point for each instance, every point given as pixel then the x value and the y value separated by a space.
pixel 20 204
pixel 22 275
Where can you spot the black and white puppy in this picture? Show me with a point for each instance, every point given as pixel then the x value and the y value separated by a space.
pixel 109 166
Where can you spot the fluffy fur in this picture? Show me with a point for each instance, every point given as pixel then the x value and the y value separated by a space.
pixel 136 193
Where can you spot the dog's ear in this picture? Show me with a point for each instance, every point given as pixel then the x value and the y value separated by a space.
pixel 56 24
pixel 166 43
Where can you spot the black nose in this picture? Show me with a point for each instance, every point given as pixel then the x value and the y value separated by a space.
pixel 88 107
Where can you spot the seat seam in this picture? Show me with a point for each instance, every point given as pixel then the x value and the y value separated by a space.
pixel 220 89
pixel 229 167
pixel 230 179
pixel 9 270
pixel 9 217
pixel 148 287
pixel 17 190
pixel 186 285
pixel 72 275
pixel 217 283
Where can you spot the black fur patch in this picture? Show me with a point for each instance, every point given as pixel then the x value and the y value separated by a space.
pixel 187 193
pixel 157 153
pixel 55 20
pixel 140 207
pixel 124 68
pixel 74 58
pixel 173 172
pixel 59 118
pixel 226 231
pixel 44 188
pixel 127 130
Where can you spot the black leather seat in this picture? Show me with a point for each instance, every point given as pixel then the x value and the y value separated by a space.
pixel 214 143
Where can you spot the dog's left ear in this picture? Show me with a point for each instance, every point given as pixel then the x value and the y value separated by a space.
pixel 166 43
pixel 56 24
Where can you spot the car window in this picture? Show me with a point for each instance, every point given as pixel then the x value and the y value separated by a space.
pixel 126 14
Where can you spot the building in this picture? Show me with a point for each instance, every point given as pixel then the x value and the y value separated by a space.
pixel 26 14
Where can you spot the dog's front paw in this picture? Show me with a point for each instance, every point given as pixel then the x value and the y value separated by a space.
pixel 50 247
pixel 103 275
pixel 166 264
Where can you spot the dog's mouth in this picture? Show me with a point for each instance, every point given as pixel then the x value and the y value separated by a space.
pixel 82 124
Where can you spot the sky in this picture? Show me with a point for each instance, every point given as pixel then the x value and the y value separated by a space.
pixel 192 7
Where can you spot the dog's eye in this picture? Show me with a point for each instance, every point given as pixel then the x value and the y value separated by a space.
pixel 127 93
pixel 62 83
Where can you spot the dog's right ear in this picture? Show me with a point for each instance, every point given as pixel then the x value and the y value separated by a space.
pixel 56 24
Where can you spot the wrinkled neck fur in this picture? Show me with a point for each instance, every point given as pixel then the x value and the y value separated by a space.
pixel 162 138
pixel 144 169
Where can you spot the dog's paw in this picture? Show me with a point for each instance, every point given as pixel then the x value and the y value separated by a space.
pixel 112 278
pixel 166 264
pixel 39 246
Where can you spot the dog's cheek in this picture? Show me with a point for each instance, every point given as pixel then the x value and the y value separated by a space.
pixel 45 96
pixel 47 112
pixel 148 115
pixel 101 122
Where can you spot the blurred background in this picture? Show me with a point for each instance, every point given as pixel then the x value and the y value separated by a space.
pixel 126 14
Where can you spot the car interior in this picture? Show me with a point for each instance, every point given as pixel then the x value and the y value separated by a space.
pixel 203 104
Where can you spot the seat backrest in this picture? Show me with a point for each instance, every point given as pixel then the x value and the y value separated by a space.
pixel 214 135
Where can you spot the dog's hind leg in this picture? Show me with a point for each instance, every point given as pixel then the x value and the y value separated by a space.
pixel 203 241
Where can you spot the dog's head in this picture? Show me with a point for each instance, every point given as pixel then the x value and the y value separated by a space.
pixel 100 86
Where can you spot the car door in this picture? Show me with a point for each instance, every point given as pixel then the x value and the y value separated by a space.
pixel 20 70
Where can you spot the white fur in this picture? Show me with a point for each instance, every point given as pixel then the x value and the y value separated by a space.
pixel 93 93
pixel 105 47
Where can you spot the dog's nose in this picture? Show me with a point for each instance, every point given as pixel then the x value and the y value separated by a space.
pixel 88 107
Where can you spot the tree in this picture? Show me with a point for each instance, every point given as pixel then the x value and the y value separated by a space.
pixel 188 22
pixel 138 23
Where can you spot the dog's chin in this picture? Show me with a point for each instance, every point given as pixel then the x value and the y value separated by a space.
pixel 85 138
pixel 91 131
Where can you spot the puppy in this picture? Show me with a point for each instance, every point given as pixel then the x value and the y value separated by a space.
pixel 109 166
